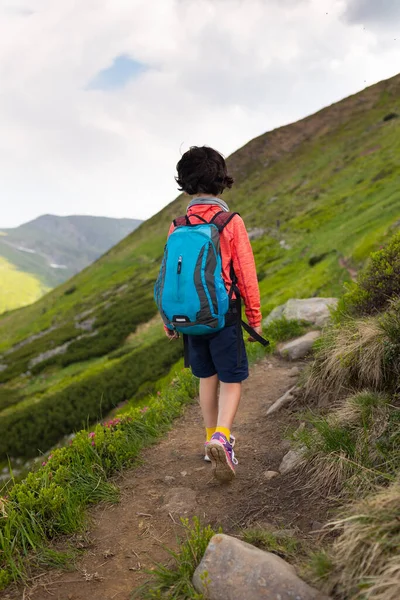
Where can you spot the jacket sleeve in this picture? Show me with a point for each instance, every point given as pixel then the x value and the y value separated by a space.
pixel 245 270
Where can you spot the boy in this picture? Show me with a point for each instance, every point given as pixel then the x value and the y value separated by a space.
pixel 214 358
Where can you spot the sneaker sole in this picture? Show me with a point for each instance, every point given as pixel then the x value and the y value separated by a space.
pixel 221 467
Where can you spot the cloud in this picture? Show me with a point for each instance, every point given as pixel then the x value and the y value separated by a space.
pixel 122 70
pixel 99 98
pixel 373 12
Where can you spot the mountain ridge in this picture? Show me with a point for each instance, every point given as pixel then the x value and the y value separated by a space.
pixel 50 249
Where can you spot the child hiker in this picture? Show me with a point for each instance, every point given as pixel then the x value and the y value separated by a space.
pixel 208 267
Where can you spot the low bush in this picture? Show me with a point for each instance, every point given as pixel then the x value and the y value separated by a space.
pixel 378 283
pixel 18 360
pixel 8 397
pixel 37 426
pixel 52 500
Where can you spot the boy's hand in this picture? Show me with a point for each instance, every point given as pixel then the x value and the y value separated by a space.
pixel 171 334
pixel 257 330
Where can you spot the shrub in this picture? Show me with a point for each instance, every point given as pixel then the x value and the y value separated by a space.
pixel 378 283
pixel 366 554
pixel 18 360
pixel 8 397
pixel 39 425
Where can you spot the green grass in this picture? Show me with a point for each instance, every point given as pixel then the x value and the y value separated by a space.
pixel 18 288
pixel 279 542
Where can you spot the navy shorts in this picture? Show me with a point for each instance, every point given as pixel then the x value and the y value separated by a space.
pixel 217 353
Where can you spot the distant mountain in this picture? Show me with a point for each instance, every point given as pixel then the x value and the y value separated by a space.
pixel 43 253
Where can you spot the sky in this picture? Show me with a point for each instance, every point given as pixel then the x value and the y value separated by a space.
pixel 99 98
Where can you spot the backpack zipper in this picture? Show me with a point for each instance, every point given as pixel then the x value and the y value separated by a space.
pixel 178 272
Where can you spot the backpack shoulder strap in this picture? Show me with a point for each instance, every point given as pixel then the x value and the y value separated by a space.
pixel 180 221
pixel 222 218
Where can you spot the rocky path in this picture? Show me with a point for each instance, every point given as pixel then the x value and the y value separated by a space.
pixel 172 481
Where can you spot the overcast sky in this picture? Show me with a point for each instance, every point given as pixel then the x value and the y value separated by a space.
pixel 98 98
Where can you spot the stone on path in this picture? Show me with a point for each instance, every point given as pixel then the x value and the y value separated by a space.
pixel 180 501
pixel 312 310
pixel 281 402
pixel 294 372
pixel 300 347
pixel 268 475
pixel 291 461
pixel 234 570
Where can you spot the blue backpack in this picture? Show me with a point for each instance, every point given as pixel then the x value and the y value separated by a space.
pixel 190 292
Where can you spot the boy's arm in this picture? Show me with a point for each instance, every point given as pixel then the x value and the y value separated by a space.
pixel 245 269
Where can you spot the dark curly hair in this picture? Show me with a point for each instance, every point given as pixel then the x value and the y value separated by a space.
pixel 202 170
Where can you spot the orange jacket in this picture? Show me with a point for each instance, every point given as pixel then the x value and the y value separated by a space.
pixel 235 248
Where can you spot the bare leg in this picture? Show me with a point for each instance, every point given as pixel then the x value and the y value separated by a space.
pixel 209 400
pixel 229 399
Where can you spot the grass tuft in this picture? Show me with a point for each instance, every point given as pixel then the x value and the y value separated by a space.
pixel 366 553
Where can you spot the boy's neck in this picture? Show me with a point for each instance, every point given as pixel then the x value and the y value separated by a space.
pixel 204 196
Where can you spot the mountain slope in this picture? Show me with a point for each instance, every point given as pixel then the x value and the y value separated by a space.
pixel 51 249
pixel 317 197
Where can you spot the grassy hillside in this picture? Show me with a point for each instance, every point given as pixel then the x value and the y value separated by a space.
pixel 51 249
pixel 317 196
pixel 16 286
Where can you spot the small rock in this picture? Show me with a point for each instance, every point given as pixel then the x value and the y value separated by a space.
pixel 270 475
pixel 256 233
pixel 316 526
pixel 291 461
pixel 183 473
pixel 294 372
pixel 180 500
pixel 281 402
pixel 233 570
pixel 300 347
pixel 169 479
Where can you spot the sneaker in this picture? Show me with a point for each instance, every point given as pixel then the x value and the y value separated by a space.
pixel 221 454
pixel 232 441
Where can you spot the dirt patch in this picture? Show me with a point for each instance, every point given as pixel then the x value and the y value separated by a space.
pixel 174 480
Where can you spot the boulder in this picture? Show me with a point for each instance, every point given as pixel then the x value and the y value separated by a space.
pixel 311 310
pixel 232 570
pixel 300 347
pixel 291 460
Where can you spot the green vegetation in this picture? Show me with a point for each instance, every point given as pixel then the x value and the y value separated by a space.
pixel 175 583
pixel 52 500
pixel 377 284
pixel 18 288
pixel 41 423
pixel 353 451
pixel 279 542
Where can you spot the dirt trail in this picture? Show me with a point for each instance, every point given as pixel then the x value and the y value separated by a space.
pixel 174 480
